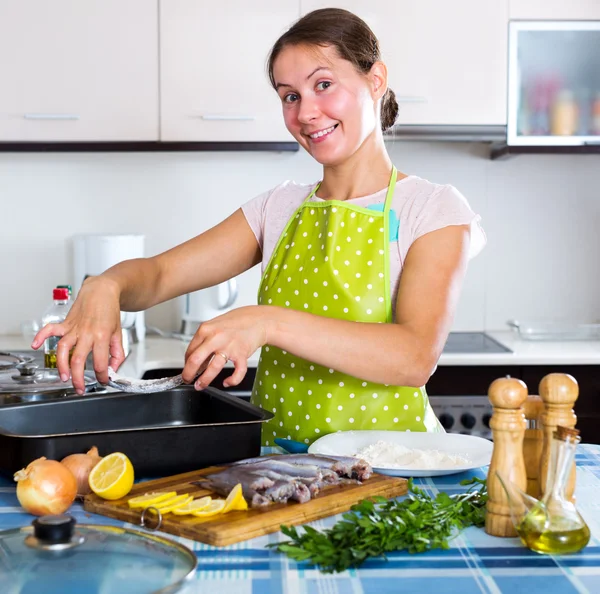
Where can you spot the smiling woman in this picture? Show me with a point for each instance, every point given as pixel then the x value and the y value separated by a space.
pixel 361 271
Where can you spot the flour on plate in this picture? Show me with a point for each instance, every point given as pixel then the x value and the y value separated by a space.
pixel 393 455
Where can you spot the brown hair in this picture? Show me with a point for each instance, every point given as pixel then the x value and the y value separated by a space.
pixel 353 40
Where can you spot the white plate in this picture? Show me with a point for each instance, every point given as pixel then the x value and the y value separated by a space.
pixel 346 443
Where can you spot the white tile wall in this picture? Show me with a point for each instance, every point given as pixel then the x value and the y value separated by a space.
pixel 541 214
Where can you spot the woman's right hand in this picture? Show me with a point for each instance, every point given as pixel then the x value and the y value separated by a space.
pixel 92 325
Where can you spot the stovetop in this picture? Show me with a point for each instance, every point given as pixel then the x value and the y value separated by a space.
pixel 473 342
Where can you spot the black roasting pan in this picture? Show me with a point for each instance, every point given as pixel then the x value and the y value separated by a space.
pixel 162 433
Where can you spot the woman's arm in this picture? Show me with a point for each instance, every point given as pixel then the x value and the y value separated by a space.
pixel 404 353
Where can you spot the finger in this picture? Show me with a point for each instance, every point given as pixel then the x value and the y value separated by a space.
pixel 117 354
pixel 214 368
pixel 241 368
pixel 46 332
pixel 202 335
pixel 100 357
pixel 78 359
pixel 65 344
pixel 196 364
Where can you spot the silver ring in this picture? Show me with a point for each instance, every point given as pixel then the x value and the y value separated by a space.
pixel 222 355
pixel 143 518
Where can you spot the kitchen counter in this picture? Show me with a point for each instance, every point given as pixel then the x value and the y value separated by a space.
pixel 474 563
pixel 160 353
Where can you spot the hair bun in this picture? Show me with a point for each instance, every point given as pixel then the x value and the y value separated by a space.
pixel 389 110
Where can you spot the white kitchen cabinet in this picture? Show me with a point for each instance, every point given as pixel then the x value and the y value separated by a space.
pixel 78 71
pixel 213 56
pixel 446 60
pixel 554 9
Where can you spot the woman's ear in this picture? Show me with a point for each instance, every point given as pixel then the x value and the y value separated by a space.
pixel 378 80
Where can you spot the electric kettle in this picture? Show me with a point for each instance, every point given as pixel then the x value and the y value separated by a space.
pixel 206 304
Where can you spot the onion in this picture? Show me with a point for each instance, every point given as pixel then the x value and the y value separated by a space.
pixel 81 465
pixel 45 487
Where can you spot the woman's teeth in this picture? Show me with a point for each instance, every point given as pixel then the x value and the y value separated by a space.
pixel 323 132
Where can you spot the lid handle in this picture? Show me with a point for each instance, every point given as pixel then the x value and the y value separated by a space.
pixel 54 529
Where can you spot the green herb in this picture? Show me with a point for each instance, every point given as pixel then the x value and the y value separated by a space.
pixel 377 526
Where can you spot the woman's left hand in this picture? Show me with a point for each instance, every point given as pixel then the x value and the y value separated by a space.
pixel 234 336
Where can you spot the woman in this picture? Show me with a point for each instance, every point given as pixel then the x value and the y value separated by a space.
pixel 361 272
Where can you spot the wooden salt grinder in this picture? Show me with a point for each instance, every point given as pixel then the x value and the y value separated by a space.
pixel 533 443
pixel 507 396
pixel 559 391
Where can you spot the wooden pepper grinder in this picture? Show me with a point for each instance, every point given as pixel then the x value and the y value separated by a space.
pixel 533 443
pixel 508 424
pixel 559 391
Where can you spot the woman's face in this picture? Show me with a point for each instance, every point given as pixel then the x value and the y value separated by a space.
pixel 328 106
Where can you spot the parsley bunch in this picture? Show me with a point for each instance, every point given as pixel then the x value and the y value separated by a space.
pixel 377 526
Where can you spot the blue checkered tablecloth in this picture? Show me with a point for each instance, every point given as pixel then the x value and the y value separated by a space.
pixel 475 563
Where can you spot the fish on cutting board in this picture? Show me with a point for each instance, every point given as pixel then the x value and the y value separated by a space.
pixel 277 479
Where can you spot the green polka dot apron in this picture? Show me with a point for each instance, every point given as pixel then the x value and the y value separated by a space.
pixel 332 259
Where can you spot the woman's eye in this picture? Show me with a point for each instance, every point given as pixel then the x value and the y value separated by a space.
pixel 290 98
pixel 325 84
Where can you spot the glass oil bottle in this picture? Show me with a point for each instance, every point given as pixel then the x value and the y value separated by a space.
pixel 553 525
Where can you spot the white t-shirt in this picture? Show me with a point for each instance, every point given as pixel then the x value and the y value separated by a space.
pixel 418 207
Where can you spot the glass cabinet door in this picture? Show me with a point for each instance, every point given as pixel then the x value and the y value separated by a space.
pixel 554 83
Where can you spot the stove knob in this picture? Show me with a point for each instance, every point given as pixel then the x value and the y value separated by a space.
pixel 486 419
pixel 468 420
pixel 446 420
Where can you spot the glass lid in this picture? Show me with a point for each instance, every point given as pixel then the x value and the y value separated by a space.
pixel 30 378
pixel 56 556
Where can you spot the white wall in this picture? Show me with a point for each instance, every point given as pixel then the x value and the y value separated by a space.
pixel 541 215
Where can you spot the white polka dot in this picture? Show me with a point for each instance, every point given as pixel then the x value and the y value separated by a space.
pixel 348 239
pixel 343 224
pixel 287 303
pixel 291 388
pixel 270 301
pixel 381 275
pixel 274 361
pixel 296 292
pixel 279 290
pixel 369 311
pixel 334 209
pixel 396 395
pixel 281 400
pixel 352 395
pixel 320 381
pixel 369 286
pixel 308 417
pixel 345 310
pixel 364 384
pixel 346 286
pixel 267 442
pixel 301 268
pixel 381 300
pixel 266 396
pixel 395 419
pixel 347 262
pixel 317 430
pixel 306 441
pixel 375 395
pixel 350 420
pixel 358 252
pixel 385 407
pixel 326 257
pixel 290 414
pixel 276 266
pixel 363 407
pixel 299 402
pixel 304 234
pixel 283 376
pixel 292 365
pixel 306 306
pixel 357 298
pixel 328 420
pixel 266 372
pixel 335 296
pixel 315 294
pixel 341 384
pixel 275 433
pixel 369 263
pixel 324 283
pixel 309 392
pixel 297 257
pixel 312 367
pixel 358 275
pixel 318 406
pixel 280 422
pixel 316 269
pixel 416 394
pixel 329 395
pixel 317 224
pixel 336 272
pixel 353 214
pixel 340 407
pixel 370 241
pixel 374 420
pixel 408 430
pixel 312 211
pixel 330 234
pixel 406 407
pixel 418 419
pixel 267 349
pixel 331 371
pixel 297 427
pixel 301 378
pixel 306 281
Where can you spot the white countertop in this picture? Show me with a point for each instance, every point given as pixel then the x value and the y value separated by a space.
pixel 158 353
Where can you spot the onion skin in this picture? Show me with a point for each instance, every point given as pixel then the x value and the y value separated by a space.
pixel 45 487
pixel 81 465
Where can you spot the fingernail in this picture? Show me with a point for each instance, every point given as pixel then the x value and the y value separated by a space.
pixel 34 344
pixel 198 385
pixel 64 377
pixel 80 392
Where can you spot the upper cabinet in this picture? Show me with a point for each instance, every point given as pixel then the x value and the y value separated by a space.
pixel 446 60
pixel 79 71
pixel 214 85
pixel 554 9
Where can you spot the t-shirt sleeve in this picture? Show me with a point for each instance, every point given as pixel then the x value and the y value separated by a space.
pixel 444 207
pixel 254 210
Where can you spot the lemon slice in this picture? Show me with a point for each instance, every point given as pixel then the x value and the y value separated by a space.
pixel 235 500
pixel 193 506
pixel 112 477
pixel 172 504
pixel 150 498
pixel 214 507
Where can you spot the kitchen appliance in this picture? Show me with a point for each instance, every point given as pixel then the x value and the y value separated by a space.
pixel 226 529
pixel 161 433
pixel 57 555
pixel 206 304
pixel 92 255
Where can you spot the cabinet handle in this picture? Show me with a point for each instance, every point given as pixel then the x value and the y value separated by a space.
pixel 411 99
pixel 51 116
pixel 231 118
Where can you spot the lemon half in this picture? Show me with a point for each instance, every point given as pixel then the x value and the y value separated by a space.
pixel 112 478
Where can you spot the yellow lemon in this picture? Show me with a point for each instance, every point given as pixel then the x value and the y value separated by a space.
pixel 172 504
pixel 150 498
pixel 214 507
pixel 112 477
pixel 193 506
pixel 235 499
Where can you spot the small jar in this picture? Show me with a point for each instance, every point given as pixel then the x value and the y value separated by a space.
pixel 564 114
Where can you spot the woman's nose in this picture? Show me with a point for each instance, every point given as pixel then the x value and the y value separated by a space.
pixel 308 110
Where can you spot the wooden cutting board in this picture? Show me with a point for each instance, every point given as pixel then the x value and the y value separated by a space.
pixel 237 526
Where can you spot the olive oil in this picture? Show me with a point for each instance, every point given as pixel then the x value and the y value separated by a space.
pixel 561 536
